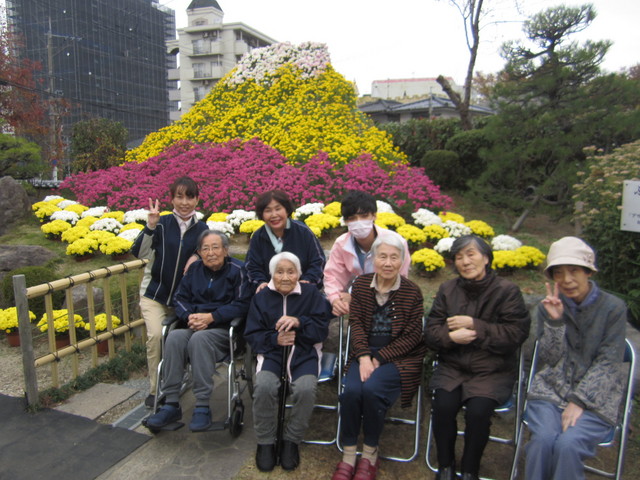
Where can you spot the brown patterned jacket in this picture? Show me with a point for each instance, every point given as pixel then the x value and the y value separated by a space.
pixel 406 349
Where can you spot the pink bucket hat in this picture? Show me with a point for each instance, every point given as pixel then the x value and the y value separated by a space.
pixel 570 251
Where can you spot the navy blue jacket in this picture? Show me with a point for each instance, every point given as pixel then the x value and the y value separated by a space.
pixel 313 311
pixel 299 240
pixel 224 293
pixel 167 254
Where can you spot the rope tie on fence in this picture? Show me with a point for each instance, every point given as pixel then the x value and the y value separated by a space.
pixel 109 272
pixel 72 282
pixel 92 276
pixel 51 289
pixel 56 356
pixel 125 267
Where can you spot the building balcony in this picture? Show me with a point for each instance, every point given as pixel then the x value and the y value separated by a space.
pixel 173 74
pixel 174 94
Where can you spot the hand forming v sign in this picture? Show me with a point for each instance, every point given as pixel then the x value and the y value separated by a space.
pixel 154 214
pixel 552 303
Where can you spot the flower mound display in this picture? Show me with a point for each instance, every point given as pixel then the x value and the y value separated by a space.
pixel 232 174
pixel 291 98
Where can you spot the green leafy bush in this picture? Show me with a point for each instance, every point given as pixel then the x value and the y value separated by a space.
pixel 444 168
pixel 33 276
pixel 467 145
pixel 418 136
pixel 598 199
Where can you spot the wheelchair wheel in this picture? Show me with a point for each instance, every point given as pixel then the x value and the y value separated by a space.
pixel 235 424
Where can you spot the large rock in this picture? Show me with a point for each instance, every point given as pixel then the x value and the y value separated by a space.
pixel 14 203
pixel 18 256
pixel 80 303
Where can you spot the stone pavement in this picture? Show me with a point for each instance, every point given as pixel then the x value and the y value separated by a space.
pixel 178 454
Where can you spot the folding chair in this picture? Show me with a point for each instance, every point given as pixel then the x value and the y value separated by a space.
pixel 619 434
pixel 513 405
pixel 235 407
pixel 330 363
pixel 410 421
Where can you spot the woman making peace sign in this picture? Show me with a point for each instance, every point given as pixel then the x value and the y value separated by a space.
pixel 574 398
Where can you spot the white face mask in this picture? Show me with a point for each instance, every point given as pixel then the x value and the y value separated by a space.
pixel 360 228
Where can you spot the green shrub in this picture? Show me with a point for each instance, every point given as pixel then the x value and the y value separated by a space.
pixel 467 145
pixel 418 136
pixel 443 167
pixel 33 276
pixel 600 196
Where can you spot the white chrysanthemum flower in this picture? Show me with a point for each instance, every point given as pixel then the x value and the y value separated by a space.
pixel 223 227
pixel 456 229
pixel 238 217
pixel 66 216
pixel 138 215
pixel 505 242
pixel 95 212
pixel 130 234
pixel 424 218
pixel 48 198
pixel 107 225
pixel 384 207
pixel 307 210
pixel 65 203
pixel 444 245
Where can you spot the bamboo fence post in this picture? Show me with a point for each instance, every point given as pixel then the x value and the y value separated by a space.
pixel 26 339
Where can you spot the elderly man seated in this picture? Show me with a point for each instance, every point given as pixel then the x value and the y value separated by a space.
pixel 211 294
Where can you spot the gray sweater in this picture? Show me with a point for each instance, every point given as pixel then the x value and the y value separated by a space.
pixel 580 355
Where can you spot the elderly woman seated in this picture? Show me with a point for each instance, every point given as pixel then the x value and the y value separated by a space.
pixel 476 324
pixel 574 397
pixel 287 313
pixel 213 292
pixel 385 356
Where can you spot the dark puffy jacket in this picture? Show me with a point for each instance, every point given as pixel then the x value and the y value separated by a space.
pixel 486 367
pixel 313 311
pixel 224 293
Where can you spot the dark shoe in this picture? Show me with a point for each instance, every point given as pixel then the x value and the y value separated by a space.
pixel 289 455
pixel 366 471
pixel 266 457
pixel 201 419
pixel 446 473
pixel 469 476
pixel 150 401
pixel 166 415
pixel 343 471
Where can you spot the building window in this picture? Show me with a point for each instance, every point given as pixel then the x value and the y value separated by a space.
pixel 199 93
pixel 200 70
pixel 201 46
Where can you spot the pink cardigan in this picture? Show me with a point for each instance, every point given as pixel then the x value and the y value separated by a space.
pixel 343 265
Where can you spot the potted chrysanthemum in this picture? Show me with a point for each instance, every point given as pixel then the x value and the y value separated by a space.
pixel 427 261
pixel 100 322
pixel 9 324
pixel 60 319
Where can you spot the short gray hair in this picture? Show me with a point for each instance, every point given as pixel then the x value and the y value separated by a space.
pixel 394 240
pixel 206 233
pixel 276 259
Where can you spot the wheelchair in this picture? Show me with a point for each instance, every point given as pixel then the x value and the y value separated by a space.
pixel 237 364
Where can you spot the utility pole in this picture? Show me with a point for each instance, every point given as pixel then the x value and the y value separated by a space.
pixel 53 148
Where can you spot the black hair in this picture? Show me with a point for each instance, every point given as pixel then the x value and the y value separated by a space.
pixel 279 196
pixel 357 201
pixel 464 241
pixel 189 185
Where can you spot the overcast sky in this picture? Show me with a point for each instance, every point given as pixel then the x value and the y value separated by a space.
pixel 375 39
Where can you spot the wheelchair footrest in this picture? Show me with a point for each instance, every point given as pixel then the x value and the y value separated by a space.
pixel 215 427
pixel 171 427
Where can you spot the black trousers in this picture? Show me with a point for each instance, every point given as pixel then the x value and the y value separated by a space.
pixel 478 412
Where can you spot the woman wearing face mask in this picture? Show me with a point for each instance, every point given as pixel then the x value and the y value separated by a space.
pixel 351 253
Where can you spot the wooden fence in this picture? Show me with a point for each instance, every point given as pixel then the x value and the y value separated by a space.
pixel 23 295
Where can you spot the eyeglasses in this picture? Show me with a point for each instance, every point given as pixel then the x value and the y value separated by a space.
pixel 212 249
